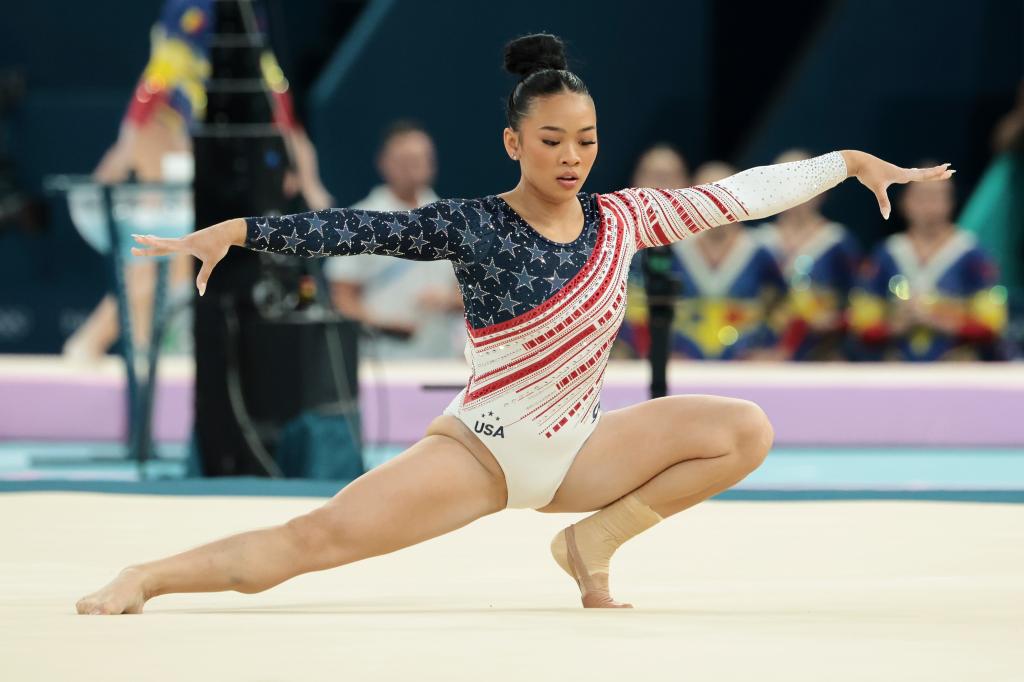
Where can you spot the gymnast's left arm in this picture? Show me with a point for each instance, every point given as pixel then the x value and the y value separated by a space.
pixel 663 216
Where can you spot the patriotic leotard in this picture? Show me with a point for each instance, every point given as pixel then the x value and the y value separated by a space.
pixel 541 315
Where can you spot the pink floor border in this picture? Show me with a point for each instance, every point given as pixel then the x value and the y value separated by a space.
pixel 40 399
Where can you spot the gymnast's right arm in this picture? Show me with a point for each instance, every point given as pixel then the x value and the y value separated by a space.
pixel 421 234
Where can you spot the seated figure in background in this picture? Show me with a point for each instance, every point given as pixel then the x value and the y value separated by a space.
pixel 664 167
pixel 819 259
pixel 928 293
pixel 414 306
pixel 729 297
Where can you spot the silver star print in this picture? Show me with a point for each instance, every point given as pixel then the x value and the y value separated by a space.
pixel 418 242
pixel 316 225
pixel 485 215
pixel 442 224
pixel 364 219
pixel 507 302
pixel 564 257
pixel 370 244
pixel 291 241
pixel 320 253
pixel 263 225
pixel 556 282
pixel 445 248
pixel 525 279
pixel 394 227
pixel 509 245
pixel 478 294
pixel 344 234
pixel 492 271
pixel 537 254
pixel 468 238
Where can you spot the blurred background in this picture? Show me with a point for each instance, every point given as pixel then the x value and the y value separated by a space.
pixel 863 338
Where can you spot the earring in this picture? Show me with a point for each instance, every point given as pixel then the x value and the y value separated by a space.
pixel 515 157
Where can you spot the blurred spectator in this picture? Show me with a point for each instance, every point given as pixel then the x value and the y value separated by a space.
pixel 1009 132
pixel 729 293
pixel 929 293
pixel 661 166
pixel 169 97
pixel 995 212
pixel 819 259
pixel 417 305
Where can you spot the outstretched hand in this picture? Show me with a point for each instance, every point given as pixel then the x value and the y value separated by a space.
pixel 209 245
pixel 877 175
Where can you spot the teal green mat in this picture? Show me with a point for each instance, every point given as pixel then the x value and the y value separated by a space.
pixel 986 475
pixel 298 488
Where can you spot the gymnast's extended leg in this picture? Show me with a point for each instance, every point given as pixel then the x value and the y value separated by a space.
pixel 434 487
pixel 644 463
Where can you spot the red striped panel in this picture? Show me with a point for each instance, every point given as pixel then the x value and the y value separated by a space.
pixel 593 301
pixel 652 218
pixel 697 212
pixel 554 401
pixel 526 371
pixel 714 199
pixel 589 304
pixel 733 197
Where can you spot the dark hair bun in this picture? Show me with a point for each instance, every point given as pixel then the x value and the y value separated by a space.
pixel 535 52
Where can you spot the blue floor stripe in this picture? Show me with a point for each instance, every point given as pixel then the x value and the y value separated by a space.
pixel 306 488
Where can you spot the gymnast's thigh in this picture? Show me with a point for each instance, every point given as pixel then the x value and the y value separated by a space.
pixel 632 445
pixel 432 488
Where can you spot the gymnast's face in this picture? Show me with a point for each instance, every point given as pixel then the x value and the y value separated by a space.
pixel 556 144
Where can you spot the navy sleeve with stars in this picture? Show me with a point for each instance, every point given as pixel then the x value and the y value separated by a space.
pixel 427 233
pixel 504 267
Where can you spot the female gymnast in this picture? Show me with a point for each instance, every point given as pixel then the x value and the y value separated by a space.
pixel 542 269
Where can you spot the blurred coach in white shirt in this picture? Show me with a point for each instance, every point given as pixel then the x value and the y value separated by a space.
pixel 416 305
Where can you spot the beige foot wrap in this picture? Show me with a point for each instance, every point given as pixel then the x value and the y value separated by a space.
pixel 584 550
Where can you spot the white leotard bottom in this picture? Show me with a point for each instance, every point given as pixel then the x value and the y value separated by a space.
pixel 534 466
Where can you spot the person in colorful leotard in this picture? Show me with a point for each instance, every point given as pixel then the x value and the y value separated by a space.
pixel 819 260
pixel 542 269
pixel 661 166
pixel 168 100
pixel 730 290
pixel 930 293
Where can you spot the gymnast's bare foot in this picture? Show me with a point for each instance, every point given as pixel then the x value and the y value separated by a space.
pixel 123 594
pixel 593 586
